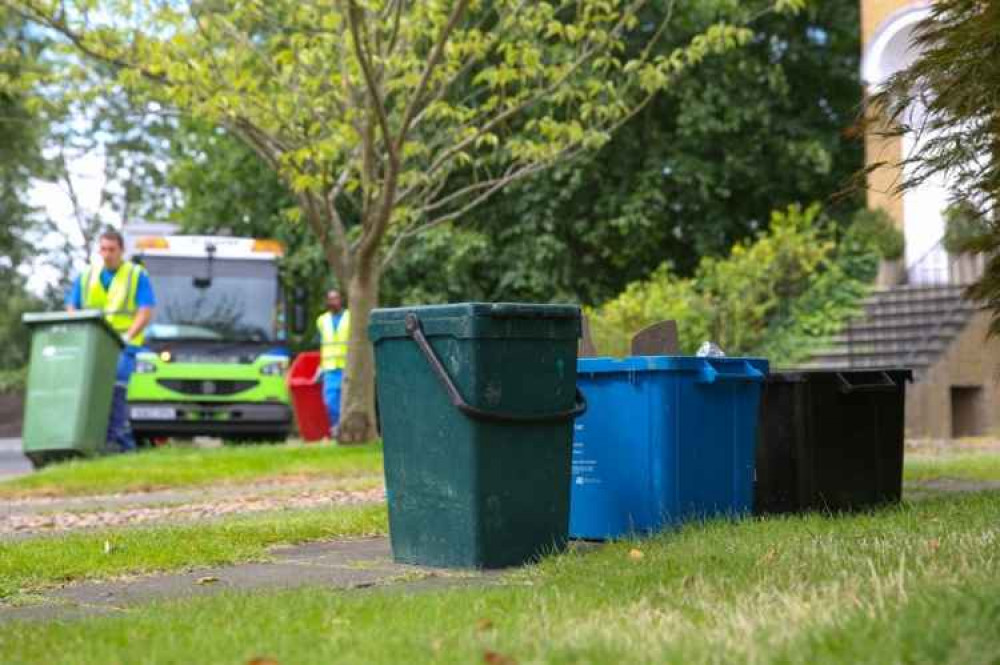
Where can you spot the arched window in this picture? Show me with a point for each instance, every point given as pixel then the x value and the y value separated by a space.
pixel 889 51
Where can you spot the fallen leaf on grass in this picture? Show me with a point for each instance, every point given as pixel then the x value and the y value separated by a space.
pixel 262 661
pixel 635 555
pixel 207 580
pixel 768 558
pixel 494 658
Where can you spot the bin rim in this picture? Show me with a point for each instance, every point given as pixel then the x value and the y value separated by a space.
pixel 493 310
pixel 294 377
pixel 459 320
pixel 610 365
pixel 79 316
pixel 898 374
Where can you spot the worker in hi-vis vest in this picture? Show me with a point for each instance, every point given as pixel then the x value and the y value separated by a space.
pixel 334 327
pixel 121 290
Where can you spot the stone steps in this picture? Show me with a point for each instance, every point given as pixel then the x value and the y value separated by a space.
pixel 906 326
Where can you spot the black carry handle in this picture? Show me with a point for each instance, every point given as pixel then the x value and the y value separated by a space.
pixel 848 387
pixel 414 330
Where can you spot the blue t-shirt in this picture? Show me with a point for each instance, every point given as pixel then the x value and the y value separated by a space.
pixel 143 289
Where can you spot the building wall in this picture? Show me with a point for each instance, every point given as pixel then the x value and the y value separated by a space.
pixel 875 12
pixel 883 181
pixel 972 360
pixel 879 150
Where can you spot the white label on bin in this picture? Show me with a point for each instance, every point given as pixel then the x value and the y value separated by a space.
pixel 584 470
pixel 153 413
pixel 50 352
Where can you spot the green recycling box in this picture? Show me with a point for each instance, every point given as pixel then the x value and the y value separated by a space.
pixel 477 403
pixel 71 379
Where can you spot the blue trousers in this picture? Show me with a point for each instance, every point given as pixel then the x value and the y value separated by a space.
pixel 119 437
pixel 331 394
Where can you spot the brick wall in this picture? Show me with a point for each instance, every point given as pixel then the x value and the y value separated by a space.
pixel 972 360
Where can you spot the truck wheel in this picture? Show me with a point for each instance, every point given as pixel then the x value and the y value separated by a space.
pixel 256 439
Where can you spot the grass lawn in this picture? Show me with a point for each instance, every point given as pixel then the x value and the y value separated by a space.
pixel 917 583
pixel 965 465
pixel 27 566
pixel 193 467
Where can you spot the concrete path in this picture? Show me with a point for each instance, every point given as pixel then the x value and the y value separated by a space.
pixel 35 516
pixel 183 495
pixel 12 461
pixel 344 564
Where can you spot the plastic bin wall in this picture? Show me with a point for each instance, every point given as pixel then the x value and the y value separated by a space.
pixel 484 484
pixel 831 440
pixel 664 439
pixel 311 416
pixel 71 377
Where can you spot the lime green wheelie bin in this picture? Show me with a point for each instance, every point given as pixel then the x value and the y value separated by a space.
pixel 477 403
pixel 71 377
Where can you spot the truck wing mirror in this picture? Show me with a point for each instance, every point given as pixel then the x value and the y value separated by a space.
pixel 206 281
pixel 299 310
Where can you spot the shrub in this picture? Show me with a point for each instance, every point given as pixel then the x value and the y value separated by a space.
pixel 964 227
pixel 876 227
pixel 13 380
pixel 778 295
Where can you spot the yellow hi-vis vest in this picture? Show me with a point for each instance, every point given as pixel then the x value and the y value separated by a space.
pixel 118 302
pixel 333 340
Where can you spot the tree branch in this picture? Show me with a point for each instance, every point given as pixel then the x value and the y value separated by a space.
pixel 490 186
pixel 466 67
pixel 488 125
pixel 265 146
pixel 59 25
pixel 355 20
pixel 343 267
pixel 432 62
pixel 437 204
pixel 339 230
pixel 396 21
pixel 85 226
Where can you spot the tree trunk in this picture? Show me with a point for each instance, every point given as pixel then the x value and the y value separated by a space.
pixel 357 423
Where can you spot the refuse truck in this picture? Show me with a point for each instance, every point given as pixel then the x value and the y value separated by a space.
pixel 217 347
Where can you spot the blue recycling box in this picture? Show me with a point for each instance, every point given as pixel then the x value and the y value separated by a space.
pixel 664 439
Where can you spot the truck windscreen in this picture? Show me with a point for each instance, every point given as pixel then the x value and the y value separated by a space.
pixel 233 299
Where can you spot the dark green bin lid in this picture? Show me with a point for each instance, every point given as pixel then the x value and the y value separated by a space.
pixel 475 319
pixel 80 316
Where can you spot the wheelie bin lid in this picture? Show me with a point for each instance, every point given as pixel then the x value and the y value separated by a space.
pixel 895 375
pixel 303 369
pixel 81 316
pixel 478 319
pixel 754 369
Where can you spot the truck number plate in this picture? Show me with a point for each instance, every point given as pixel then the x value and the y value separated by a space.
pixel 153 413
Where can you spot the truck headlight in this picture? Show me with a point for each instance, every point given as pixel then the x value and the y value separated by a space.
pixel 144 367
pixel 276 368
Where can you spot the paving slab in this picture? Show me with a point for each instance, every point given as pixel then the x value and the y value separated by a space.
pixel 21 525
pixel 175 496
pixel 12 462
pixel 364 563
